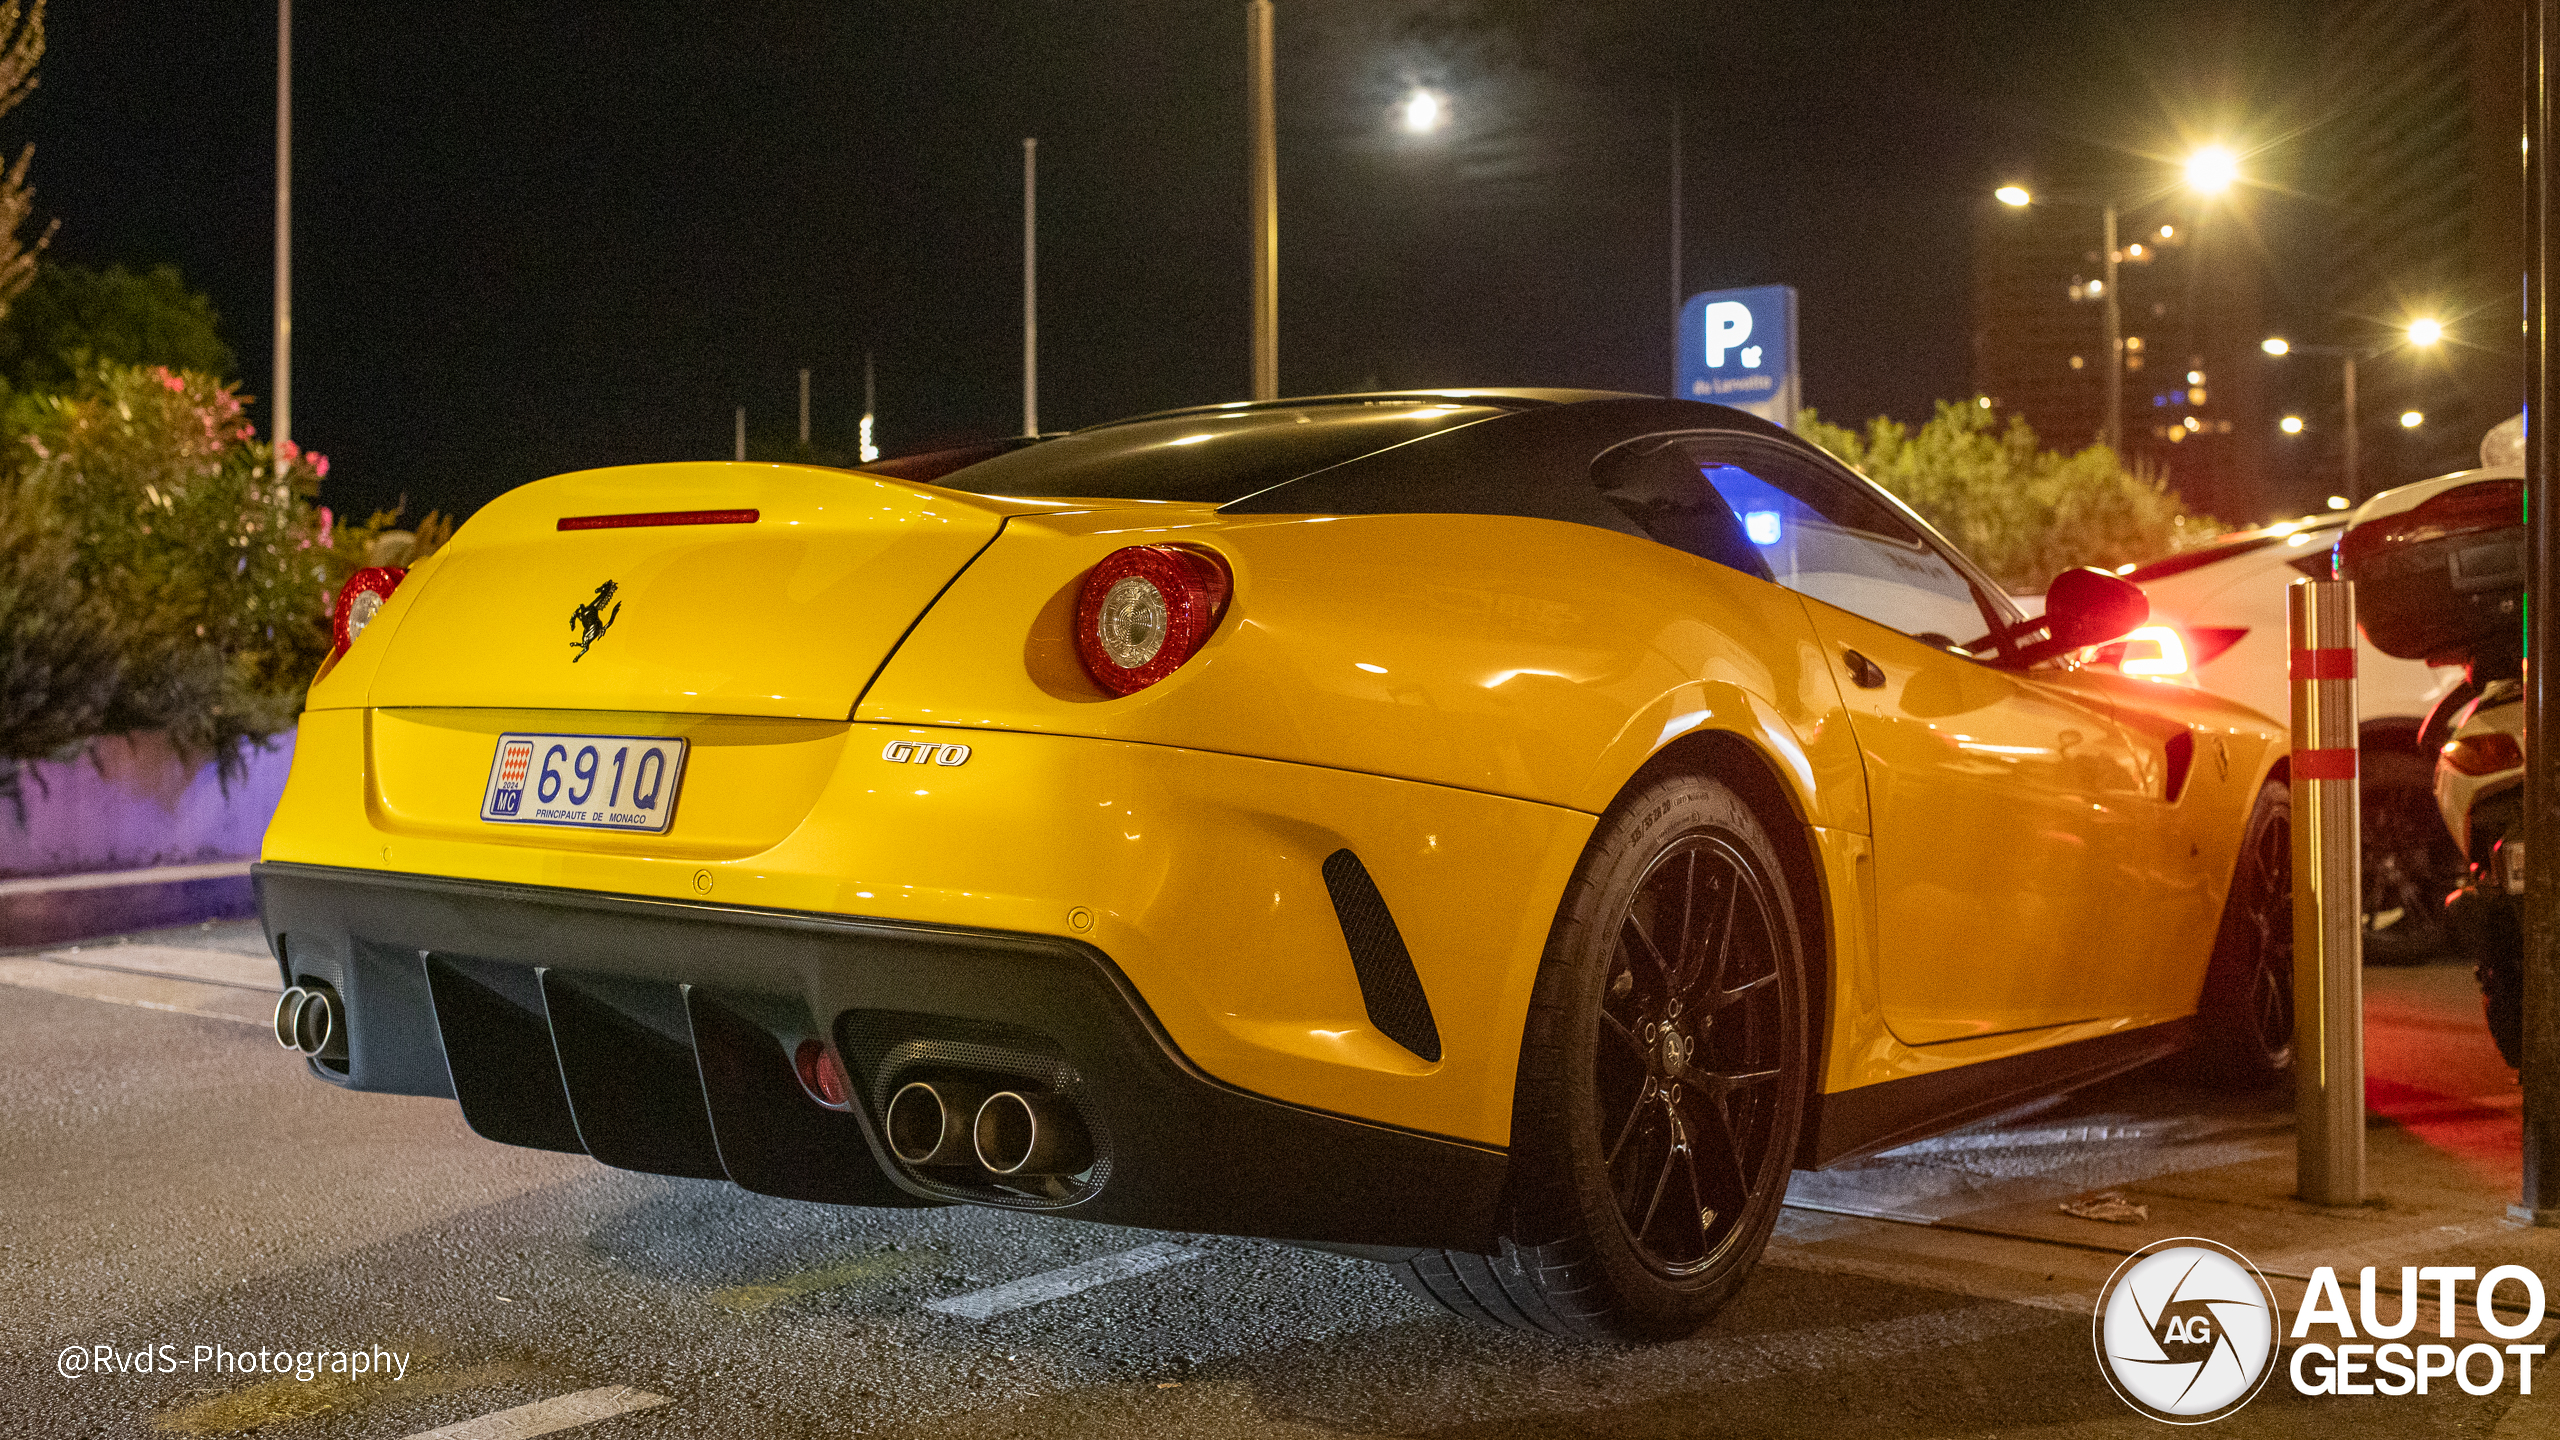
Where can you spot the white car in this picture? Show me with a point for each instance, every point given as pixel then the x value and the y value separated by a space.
pixel 2218 624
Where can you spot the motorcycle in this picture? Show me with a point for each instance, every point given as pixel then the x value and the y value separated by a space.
pixel 2439 570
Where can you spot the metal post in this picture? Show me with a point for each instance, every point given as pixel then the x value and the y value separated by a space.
pixel 742 432
pixel 1266 203
pixel 2115 343
pixel 2539 1204
pixel 1679 295
pixel 2328 896
pixel 280 409
pixel 2355 474
pixel 867 442
pixel 1030 287
pixel 804 409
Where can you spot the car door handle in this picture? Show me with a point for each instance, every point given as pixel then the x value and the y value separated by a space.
pixel 1865 672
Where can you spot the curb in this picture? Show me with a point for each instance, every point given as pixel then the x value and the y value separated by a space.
pixel 51 909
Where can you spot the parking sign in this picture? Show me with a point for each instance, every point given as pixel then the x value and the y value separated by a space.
pixel 1738 348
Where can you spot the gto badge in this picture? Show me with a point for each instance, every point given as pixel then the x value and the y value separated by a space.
pixel 591 621
pixel 909 752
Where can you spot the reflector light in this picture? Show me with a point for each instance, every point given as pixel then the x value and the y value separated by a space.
pixel 2484 754
pixel 820 1076
pixel 658 517
pixel 1145 610
pixel 359 600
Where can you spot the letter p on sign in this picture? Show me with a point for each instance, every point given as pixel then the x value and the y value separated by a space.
pixel 1728 325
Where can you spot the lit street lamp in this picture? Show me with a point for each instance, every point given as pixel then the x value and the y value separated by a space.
pixel 2209 171
pixel 2422 332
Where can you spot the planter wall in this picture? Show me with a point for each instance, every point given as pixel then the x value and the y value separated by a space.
pixel 137 801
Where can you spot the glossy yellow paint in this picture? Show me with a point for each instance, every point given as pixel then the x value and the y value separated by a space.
pixel 1414 691
pixel 1432 654
pixel 1201 872
pixel 788 616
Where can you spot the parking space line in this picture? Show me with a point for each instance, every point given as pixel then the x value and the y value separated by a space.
pixel 211 1000
pixel 560 1412
pixel 1058 1284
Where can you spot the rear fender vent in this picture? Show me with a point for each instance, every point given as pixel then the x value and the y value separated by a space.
pixel 1389 985
pixel 2181 755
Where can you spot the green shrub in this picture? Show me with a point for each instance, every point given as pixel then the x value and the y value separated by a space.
pixel 2022 512
pixel 158 569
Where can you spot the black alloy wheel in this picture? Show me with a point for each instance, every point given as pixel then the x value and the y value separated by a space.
pixel 1689 1054
pixel 1664 1076
pixel 2247 1005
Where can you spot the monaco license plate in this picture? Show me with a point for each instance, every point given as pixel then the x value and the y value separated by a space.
pixel 601 782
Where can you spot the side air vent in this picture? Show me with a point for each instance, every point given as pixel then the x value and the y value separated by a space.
pixel 2180 752
pixel 1388 983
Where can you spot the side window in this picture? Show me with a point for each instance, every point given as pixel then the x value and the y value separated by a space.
pixel 1823 535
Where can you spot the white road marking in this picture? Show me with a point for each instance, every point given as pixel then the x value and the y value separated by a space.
pixel 1058 1284
pixel 213 1001
pixel 174 962
pixel 544 1416
pixel 111 879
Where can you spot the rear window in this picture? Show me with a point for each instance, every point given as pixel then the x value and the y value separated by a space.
pixel 1208 458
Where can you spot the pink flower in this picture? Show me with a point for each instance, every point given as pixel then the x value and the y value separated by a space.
pixel 319 464
pixel 288 450
pixel 326 520
pixel 168 381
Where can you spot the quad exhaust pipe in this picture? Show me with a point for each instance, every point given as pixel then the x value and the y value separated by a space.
pixel 312 1019
pixel 942 1124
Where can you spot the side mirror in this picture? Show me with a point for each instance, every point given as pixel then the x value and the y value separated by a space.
pixel 2083 607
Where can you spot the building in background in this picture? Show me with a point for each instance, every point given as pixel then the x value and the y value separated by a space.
pixel 2418 168
pixel 2193 312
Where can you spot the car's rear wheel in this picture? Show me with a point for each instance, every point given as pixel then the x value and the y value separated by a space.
pixel 2409 861
pixel 2247 1005
pixel 1662 1086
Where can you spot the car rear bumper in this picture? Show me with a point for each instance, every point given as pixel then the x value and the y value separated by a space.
pixel 657 1035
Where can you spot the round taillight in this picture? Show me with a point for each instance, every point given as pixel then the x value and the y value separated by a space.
pixel 359 600
pixel 819 1074
pixel 1145 610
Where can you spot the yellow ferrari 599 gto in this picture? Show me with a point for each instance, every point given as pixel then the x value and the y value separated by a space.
pixel 1501 833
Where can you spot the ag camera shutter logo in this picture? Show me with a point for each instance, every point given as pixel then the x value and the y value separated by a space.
pixel 2186 1330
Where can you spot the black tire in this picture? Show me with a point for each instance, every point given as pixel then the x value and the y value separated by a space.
pixel 1679 909
pixel 2410 862
pixel 2247 1005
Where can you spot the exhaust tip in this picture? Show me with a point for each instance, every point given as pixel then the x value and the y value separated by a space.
pixel 928 1123
pixel 288 1018
pixel 310 1019
pixel 1031 1135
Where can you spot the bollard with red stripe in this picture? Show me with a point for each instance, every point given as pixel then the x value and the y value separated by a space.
pixel 2328 896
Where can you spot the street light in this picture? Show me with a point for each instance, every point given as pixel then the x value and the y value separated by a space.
pixel 2291 424
pixel 2210 171
pixel 2423 331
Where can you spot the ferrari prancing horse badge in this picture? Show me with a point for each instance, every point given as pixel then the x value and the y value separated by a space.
pixel 591 621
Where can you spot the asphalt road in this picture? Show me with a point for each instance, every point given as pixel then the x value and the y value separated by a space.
pixel 172 1179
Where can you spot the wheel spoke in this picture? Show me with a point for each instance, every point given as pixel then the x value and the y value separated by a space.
pixel 1652 951
pixel 1661 1182
pixel 1635 1112
pixel 1616 1028
pixel 1734 1082
pixel 1745 990
pixel 1713 971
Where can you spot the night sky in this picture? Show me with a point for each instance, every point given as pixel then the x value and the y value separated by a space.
pixel 534 239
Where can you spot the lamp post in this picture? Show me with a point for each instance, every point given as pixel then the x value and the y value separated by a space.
pixel 2209 171
pixel 2421 333
pixel 1266 203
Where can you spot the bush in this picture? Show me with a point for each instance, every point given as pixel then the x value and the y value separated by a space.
pixel 157 570
pixel 2022 512
pixel 71 318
